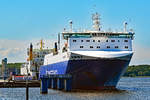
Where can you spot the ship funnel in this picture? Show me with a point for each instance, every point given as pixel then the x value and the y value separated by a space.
pixel 96 21
pixel 58 41
pixel 55 48
pixel 30 54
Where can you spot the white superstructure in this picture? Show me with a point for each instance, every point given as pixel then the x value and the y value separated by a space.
pixel 93 44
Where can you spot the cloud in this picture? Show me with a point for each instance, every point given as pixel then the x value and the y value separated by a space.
pixel 16 50
pixel 141 55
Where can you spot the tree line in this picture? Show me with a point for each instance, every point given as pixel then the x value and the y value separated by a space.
pixel 132 71
pixel 13 65
pixel 137 70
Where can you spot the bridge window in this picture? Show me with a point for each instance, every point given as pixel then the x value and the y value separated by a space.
pixel 116 46
pixel 112 40
pixel 87 40
pixel 125 40
pixel 81 46
pixel 91 46
pixel 108 46
pixel 74 40
pixel 126 47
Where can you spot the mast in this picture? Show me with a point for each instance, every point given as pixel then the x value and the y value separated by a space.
pixel 96 21
pixel 70 22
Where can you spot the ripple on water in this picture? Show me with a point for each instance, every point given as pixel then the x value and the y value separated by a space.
pixel 129 89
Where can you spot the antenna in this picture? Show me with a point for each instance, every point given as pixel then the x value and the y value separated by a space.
pixel 58 41
pixel 70 22
pixel 96 21
pixel 125 26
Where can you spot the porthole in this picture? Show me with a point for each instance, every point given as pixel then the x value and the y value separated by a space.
pixel 91 46
pixel 98 46
pixel 116 46
pixel 87 40
pixel 74 40
pixel 108 46
pixel 81 46
pixel 126 47
pixel 125 40
pixel 112 40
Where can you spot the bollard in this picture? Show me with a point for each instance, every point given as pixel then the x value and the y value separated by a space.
pixel 60 83
pixel 67 85
pixel 54 83
pixel 44 86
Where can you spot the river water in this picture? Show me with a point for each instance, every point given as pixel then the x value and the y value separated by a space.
pixel 129 89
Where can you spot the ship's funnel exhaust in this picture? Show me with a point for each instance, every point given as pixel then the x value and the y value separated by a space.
pixel 58 41
pixel 31 50
pixel 55 48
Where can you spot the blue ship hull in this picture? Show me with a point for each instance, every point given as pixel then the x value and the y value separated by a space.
pixel 90 74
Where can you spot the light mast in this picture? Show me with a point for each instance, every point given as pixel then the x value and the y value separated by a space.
pixel 96 21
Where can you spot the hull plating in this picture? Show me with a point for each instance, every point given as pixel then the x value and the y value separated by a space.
pixel 91 73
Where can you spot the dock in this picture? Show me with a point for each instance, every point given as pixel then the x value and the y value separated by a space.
pixel 58 82
pixel 19 84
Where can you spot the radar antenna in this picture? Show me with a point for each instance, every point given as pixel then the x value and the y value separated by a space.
pixel 96 21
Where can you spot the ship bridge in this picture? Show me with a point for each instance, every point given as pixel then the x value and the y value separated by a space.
pixel 89 34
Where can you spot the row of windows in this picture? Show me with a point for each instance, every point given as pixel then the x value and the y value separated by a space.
pixel 99 40
pixel 126 47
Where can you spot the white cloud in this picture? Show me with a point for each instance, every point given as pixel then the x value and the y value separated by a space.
pixel 141 55
pixel 16 50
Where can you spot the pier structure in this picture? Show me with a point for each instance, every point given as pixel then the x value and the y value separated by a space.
pixel 58 82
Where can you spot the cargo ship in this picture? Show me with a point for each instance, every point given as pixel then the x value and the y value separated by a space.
pixel 35 60
pixel 95 59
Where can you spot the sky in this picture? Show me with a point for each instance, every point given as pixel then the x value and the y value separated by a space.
pixel 26 21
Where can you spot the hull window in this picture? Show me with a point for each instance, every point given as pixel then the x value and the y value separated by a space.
pixel 91 46
pixel 126 47
pixel 108 46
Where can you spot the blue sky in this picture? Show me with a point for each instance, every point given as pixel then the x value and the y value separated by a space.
pixel 31 20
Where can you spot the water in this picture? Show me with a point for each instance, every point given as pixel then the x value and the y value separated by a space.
pixel 130 89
